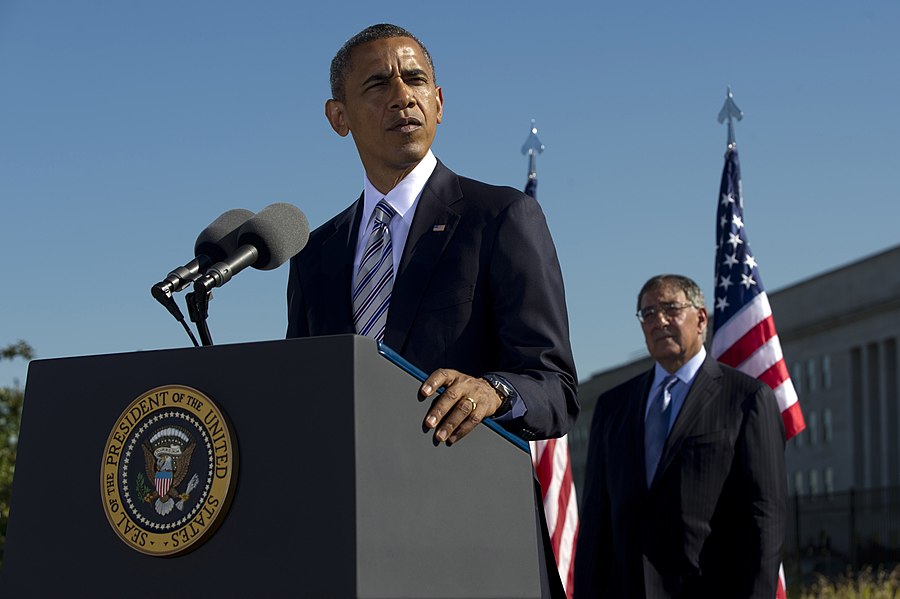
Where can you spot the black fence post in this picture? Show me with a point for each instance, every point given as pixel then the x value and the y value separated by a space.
pixel 852 514
pixel 797 529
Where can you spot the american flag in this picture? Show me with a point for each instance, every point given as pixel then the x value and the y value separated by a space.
pixel 744 334
pixel 554 472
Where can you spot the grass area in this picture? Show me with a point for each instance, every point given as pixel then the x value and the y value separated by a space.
pixel 867 584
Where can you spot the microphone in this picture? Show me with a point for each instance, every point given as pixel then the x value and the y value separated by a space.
pixel 266 241
pixel 214 244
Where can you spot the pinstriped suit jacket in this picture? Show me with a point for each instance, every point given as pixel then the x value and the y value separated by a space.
pixel 711 524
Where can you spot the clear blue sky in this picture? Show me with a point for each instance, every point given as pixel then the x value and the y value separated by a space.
pixel 126 127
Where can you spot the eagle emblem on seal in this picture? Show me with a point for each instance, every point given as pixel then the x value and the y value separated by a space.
pixel 167 460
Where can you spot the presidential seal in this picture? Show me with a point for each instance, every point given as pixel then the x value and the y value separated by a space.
pixel 169 469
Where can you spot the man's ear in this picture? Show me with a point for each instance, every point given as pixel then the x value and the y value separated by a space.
pixel 334 112
pixel 702 319
pixel 439 96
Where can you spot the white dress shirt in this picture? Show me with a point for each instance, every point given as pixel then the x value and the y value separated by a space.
pixel 403 198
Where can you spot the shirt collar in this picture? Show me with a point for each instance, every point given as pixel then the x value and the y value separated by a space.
pixel 685 374
pixel 403 196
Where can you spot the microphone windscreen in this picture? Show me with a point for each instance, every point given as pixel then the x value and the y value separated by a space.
pixel 220 238
pixel 279 231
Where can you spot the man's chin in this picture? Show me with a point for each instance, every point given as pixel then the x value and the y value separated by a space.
pixel 412 145
pixel 410 154
pixel 665 349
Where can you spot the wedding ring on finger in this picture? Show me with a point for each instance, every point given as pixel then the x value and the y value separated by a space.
pixel 474 405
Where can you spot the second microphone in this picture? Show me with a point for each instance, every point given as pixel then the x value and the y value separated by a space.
pixel 266 241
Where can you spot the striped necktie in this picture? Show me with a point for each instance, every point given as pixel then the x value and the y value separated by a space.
pixel 656 426
pixel 375 277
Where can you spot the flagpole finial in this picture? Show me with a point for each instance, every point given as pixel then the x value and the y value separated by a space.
pixel 531 148
pixel 729 112
pixel 532 145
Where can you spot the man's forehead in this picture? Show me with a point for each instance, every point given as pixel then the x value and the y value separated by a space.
pixel 664 291
pixel 383 53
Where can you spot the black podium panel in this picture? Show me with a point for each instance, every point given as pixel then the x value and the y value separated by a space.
pixel 339 494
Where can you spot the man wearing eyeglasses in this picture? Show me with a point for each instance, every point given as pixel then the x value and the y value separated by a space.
pixel 685 489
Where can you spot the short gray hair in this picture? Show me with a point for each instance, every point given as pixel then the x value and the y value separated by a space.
pixel 340 64
pixel 691 290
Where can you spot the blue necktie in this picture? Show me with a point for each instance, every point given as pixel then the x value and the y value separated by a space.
pixel 375 277
pixel 656 426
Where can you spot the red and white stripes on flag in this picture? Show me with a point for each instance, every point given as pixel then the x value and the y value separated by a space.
pixel 749 342
pixel 781 591
pixel 744 333
pixel 554 471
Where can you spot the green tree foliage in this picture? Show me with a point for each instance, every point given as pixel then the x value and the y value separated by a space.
pixel 19 349
pixel 10 416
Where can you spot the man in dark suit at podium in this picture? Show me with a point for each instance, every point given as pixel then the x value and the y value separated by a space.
pixel 685 488
pixel 459 277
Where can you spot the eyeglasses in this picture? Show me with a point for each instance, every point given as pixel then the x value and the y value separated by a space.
pixel 671 310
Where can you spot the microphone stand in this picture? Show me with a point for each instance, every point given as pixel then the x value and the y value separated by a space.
pixel 198 309
pixel 163 295
pixel 217 275
pixel 189 332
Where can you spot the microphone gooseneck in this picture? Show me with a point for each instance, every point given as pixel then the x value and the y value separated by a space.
pixel 266 241
pixel 215 243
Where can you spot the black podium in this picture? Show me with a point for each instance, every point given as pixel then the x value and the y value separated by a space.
pixel 339 492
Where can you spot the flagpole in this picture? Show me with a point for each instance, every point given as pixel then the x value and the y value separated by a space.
pixel 729 112
pixel 531 148
pixel 742 317
pixel 550 457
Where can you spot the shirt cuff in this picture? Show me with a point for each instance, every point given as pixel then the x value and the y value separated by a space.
pixel 517 406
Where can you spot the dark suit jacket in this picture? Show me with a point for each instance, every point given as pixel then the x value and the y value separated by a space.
pixel 712 522
pixel 478 289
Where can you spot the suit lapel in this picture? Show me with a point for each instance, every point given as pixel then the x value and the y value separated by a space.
pixel 704 390
pixel 338 252
pixel 432 228
pixel 636 428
